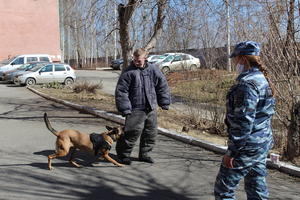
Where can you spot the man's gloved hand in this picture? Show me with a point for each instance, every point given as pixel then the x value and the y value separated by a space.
pixel 124 114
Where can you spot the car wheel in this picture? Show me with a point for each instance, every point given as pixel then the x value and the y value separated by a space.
pixel 30 81
pixel 68 81
pixel 165 70
pixel 193 67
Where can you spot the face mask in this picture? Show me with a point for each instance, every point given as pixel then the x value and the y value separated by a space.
pixel 239 68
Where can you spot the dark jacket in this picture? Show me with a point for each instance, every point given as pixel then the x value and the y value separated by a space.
pixel 142 89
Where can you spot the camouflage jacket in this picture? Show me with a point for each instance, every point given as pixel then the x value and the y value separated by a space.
pixel 250 106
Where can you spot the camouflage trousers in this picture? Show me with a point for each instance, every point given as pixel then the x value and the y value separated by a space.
pixel 250 164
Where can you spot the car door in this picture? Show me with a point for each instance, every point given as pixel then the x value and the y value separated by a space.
pixel 59 73
pixel 18 62
pixel 186 62
pixel 45 74
pixel 176 63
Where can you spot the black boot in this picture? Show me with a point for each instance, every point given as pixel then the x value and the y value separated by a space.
pixel 146 159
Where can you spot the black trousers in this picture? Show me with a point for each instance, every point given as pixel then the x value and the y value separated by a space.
pixel 138 123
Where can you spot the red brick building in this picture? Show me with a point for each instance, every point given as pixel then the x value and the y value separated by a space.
pixel 29 27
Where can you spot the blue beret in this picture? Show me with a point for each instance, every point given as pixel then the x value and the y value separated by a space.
pixel 246 48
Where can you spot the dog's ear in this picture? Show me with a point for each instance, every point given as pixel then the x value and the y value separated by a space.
pixel 109 128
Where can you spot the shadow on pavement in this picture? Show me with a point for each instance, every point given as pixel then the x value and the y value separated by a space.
pixel 101 186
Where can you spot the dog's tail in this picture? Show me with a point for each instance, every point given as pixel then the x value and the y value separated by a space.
pixel 47 122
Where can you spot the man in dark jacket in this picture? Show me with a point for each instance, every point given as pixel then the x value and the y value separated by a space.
pixel 140 88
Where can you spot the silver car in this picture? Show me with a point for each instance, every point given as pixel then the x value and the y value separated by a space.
pixel 55 72
pixel 178 62
pixel 10 75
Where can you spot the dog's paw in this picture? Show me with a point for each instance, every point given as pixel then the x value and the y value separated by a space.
pixel 121 165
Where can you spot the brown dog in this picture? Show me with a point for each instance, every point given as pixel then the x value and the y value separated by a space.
pixel 69 140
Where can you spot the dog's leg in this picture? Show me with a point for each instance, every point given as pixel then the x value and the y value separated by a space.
pixel 73 150
pixel 106 156
pixel 59 153
pixel 50 157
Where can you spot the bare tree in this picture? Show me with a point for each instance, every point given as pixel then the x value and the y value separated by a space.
pixel 125 14
pixel 161 6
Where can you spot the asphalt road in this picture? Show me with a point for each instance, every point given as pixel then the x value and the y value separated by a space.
pixel 181 171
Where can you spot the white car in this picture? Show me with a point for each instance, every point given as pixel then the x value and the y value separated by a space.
pixel 178 62
pixel 17 61
pixel 56 72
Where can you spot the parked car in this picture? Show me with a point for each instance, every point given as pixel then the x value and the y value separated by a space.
pixel 10 75
pixel 53 72
pixel 155 58
pixel 117 64
pixel 177 62
pixel 17 61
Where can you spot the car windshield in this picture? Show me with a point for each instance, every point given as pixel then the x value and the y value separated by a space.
pixel 162 57
pixel 36 67
pixel 7 61
pixel 25 66
pixel 158 57
pixel 152 57
pixel 168 58
pixel 32 65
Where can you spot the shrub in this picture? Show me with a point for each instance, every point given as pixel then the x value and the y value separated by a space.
pixel 87 87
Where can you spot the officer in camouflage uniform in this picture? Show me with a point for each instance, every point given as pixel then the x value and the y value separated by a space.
pixel 250 106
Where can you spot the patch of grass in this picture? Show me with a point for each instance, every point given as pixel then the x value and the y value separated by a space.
pixel 54 85
pixel 209 89
pixel 99 100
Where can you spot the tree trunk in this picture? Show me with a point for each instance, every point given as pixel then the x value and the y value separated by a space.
pixel 125 13
pixel 293 147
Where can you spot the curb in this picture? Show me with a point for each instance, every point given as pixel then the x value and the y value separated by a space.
pixel 219 149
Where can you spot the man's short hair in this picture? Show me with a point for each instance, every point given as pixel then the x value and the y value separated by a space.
pixel 140 52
